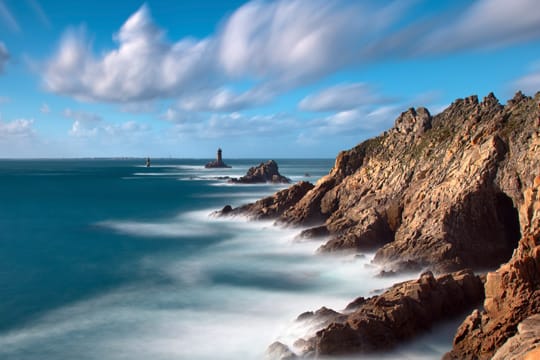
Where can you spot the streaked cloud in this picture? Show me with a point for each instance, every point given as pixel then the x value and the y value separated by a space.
pixel 8 19
pixel 342 97
pixel 530 82
pixel 40 13
pixel 485 24
pixel 4 56
pixel 275 46
pixel 224 100
pixel 297 41
pixel 235 125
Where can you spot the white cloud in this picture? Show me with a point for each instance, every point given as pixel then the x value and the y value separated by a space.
pixel 82 116
pixel 297 41
pixel 4 56
pixel 486 24
pixel 224 100
pixel 16 128
pixel 529 83
pixel 143 67
pixel 45 109
pixel 342 97
pixel 351 122
pixel 86 124
pixel 179 116
pixel 274 46
pixel 235 124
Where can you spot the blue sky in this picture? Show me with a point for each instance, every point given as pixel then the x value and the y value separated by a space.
pixel 265 79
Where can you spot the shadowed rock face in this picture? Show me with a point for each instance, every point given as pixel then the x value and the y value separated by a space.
pixel 512 292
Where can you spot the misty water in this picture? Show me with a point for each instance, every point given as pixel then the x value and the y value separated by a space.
pixel 108 259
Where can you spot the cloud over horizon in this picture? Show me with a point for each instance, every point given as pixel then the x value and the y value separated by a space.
pixel 342 97
pixel 4 56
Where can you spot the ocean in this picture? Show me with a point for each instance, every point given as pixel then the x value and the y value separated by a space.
pixel 108 259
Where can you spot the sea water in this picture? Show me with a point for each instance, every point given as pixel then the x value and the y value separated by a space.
pixel 109 259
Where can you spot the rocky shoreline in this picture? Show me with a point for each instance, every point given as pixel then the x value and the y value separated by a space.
pixel 448 192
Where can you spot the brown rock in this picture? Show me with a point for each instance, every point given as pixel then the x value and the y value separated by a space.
pixel 525 344
pixel 263 173
pixel 440 192
pixel 512 292
pixel 403 311
pixel 272 206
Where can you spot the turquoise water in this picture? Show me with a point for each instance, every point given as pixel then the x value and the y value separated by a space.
pixel 108 259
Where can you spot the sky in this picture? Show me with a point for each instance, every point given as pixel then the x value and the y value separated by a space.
pixel 260 79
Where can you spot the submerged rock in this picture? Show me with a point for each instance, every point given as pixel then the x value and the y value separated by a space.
pixel 279 351
pixel 263 173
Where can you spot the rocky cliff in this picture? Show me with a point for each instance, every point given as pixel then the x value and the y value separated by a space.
pixel 438 192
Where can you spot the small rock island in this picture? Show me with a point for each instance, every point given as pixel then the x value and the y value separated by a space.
pixel 263 173
pixel 218 163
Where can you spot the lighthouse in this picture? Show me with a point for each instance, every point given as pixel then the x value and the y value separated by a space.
pixel 218 163
pixel 219 159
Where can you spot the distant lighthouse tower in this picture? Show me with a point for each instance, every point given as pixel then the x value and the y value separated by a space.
pixel 219 159
pixel 218 163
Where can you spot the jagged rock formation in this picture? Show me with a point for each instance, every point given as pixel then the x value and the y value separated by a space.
pixel 434 191
pixel 403 311
pixel 512 292
pixel 271 206
pixel 263 173
pixel 440 192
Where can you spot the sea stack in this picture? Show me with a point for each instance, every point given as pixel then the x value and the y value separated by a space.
pixel 218 163
pixel 263 173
